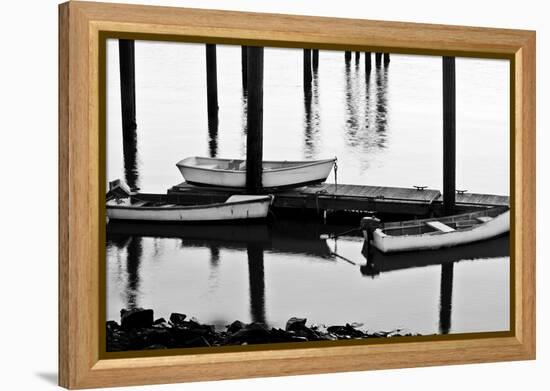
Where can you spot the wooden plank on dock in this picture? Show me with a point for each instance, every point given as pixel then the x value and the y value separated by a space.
pixel 482 199
pixel 374 192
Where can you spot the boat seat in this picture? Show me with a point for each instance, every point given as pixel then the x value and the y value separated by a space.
pixel 484 219
pixel 439 226
pixel 211 166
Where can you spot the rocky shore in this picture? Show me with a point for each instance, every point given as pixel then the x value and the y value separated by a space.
pixel 139 330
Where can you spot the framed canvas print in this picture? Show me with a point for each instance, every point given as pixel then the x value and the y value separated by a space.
pixel 247 195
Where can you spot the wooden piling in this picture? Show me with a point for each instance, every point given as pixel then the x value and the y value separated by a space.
pixel 127 86
pixel 244 71
pixel 386 59
pixel 378 58
pixel 368 64
pixel 347 56
pixel 357 57
pixel 307 70
pixel 211 83
pixel 128 106
pixel 315 61
pixel 254 135
pixel 449 134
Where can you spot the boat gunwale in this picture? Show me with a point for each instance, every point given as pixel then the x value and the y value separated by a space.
pixel 380 231
pixel 420 222
pixel 261 199
pixel 269 170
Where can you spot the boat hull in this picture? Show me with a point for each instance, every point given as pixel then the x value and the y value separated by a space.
pixel 295 174
pixel 433 241
pixel 236 208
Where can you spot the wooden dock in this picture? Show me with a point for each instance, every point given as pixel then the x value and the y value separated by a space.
pixel 343 197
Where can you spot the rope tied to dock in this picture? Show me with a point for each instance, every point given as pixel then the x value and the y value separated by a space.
pixel 336 235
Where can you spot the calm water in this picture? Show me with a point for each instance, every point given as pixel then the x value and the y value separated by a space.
pixel 385 129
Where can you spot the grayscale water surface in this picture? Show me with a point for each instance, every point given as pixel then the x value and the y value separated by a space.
pixel 385 129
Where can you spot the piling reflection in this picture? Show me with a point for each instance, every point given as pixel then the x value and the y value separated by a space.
pixel 256 278
pixel 446 298
pixel 133 262
pixel 381 105
pixel 214 256
pixel 365 129
pixel 351 102
pixel 312 118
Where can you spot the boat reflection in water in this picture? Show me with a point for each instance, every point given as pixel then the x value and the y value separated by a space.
pixel 379 262
pixel 282 237
pixel 271 272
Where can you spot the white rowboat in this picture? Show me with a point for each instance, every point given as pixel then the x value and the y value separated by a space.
pixel 231 173
pixel 435 233
pixel 236 207
pixel 124 205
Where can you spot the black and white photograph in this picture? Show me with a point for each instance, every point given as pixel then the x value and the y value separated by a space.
pixel 268 195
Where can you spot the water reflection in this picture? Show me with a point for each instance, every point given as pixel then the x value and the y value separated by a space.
pixel 284 241
pixel 352 100
pixel 283 237
pixel 312 118
pixel 256 278
pixel 214 256
pixel 133 262
pixel 365 128
pixel 378 262
pixel 381 105
pixel 446 298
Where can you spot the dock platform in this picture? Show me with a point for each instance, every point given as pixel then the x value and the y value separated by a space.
pixel 359 198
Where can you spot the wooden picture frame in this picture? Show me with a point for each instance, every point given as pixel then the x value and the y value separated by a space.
pixel 82 188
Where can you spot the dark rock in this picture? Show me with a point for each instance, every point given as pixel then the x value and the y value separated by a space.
pixel 117 341
pixel 253 333
pixel 154 347
pixel 294 324
pixel 138 331
pixel 191 331
pixel 235 326
pixel 112 326
pixel 136 318
pixel 142 338
pixel 299 339
pixel 164 325
pixel 177 318
pixel 199 342
pixel 159 321
pixel 280 335
pixel 345 331
pixel 257 326
pixel 327 337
